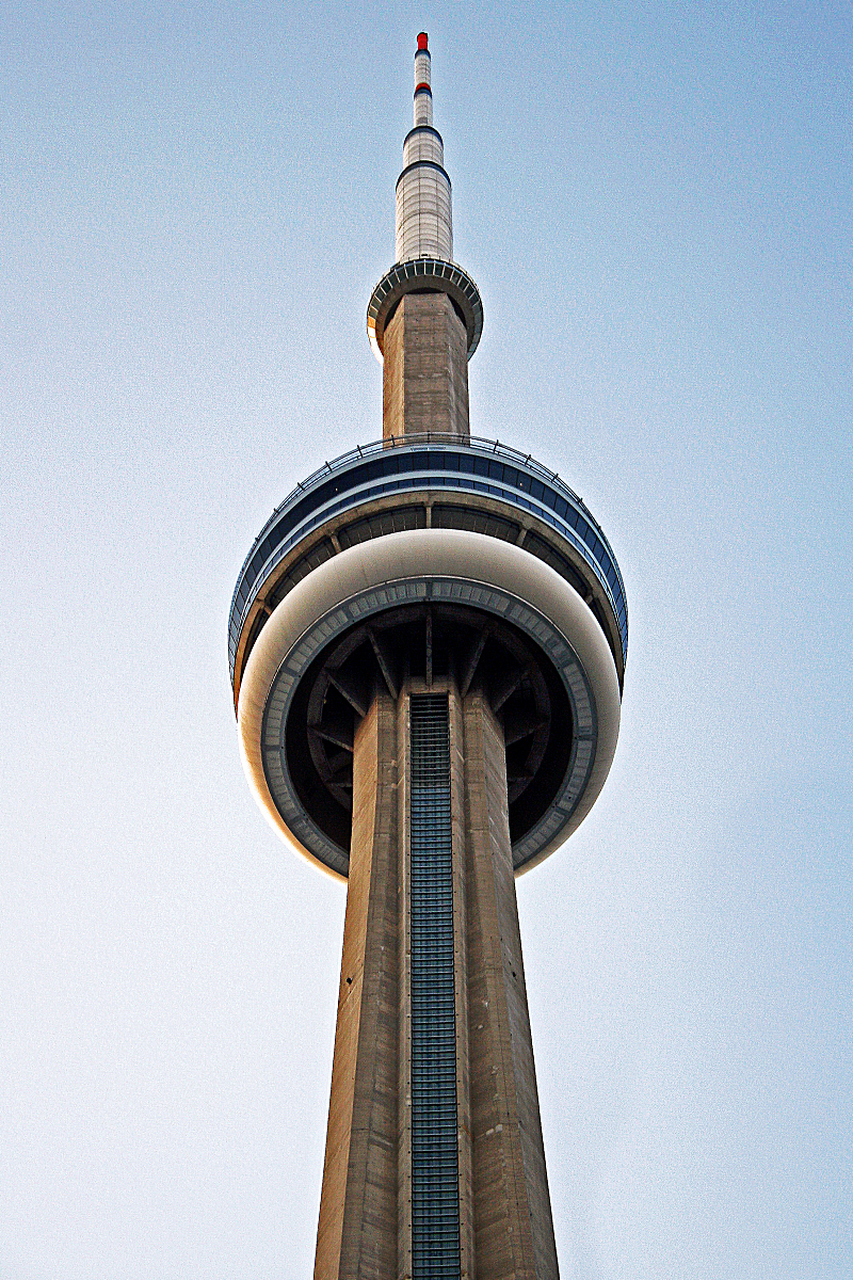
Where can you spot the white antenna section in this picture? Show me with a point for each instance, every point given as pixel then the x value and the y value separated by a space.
pixel 424 219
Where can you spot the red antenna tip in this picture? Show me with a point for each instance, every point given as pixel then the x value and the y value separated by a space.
pixel 423 40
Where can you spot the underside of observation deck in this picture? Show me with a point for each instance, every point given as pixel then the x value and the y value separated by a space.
pixel 430 643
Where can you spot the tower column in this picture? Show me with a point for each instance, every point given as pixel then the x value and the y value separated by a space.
pixel 357 1232
pixel 434 1156
pixel 425 369
pixel 514 1238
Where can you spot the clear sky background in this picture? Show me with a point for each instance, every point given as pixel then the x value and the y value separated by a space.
pixel 655 200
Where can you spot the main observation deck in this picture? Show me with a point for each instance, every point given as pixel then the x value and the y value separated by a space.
pixel 418 482
pixel 435 554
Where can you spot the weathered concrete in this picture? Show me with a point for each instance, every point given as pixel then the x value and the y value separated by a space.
pixel 357 1234
pixel 514 1234
pixel 425 378
pixel 404 1040
pixel 460 945
pixel 365 1216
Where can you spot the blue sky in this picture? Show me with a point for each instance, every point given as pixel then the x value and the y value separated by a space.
pixel 655 201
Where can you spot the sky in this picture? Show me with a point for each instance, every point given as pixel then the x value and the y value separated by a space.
pixel 655 202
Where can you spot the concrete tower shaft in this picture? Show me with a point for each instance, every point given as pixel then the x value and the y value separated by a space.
pixel 434 1158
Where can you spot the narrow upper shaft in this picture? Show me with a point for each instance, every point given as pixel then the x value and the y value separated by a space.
pixel 425 315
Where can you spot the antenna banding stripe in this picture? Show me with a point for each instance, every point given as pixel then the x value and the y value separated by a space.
pixel 423 164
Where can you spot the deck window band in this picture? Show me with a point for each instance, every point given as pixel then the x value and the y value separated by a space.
pixel 435 1156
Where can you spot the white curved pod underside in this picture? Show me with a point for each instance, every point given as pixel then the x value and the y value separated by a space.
pixel 424 225
pixel 421 555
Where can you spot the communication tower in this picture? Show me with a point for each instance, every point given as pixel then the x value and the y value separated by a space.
pixel 427 645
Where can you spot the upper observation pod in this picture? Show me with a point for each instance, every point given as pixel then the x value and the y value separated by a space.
pixel 424 225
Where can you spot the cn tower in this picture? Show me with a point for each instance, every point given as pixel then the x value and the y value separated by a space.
pixel 427 645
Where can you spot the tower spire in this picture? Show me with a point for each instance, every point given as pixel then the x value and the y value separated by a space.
pixel 424 220
pixel 425 316
pixel 423 81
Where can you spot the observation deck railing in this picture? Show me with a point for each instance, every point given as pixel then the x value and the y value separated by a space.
pixel 547 507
